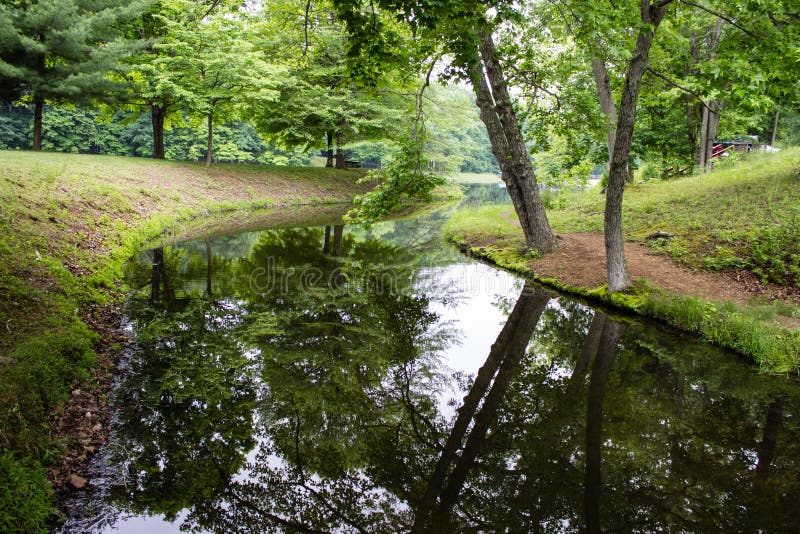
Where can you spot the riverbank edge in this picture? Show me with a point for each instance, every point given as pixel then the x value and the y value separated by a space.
pixel 773 348
pixel 105 321
pixel 90 301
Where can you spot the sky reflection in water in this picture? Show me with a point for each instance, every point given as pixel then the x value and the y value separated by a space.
pixel 405 388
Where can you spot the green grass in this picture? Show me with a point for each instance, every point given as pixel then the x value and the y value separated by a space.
pixel 743 217
pixel 24 502
pixel 68 224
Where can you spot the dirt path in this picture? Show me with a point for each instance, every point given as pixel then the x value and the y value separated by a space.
pixel 580 261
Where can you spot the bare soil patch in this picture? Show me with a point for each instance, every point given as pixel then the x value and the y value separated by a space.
pixel 580 261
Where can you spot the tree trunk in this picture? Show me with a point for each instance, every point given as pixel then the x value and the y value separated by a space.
pixel 508 146
pixel 340 161
pixel 501 365
pixel 329 138
pixel 591 345
pixel 691 100
pixel 702 161
pixel 38 111
pixel 609 339
pixel 338 236
pixel 618 279
pixel 708 133
pixel 158 114
pixel 155 274
pixel 209 266
pixel 606 103
pixel 711 110
pixel 766 451
pixel 160 278
pixel 326 245
pixel 775 129
pixel 210 138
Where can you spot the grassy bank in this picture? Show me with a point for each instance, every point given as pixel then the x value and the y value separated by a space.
pixel 743 218
pixel 68 223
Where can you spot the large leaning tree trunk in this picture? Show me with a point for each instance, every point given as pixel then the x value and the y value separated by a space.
pixel 508 146
pixel 618 278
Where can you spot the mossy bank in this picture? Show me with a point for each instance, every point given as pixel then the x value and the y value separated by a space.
pixel 68 223
pixel 740 220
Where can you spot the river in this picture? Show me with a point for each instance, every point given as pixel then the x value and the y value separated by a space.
pixel 327 378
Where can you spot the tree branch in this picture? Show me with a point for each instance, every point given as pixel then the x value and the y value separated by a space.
pixel 720 15
pixel 527 80
pixel 305 27
pixel 211 8
pixel 677 86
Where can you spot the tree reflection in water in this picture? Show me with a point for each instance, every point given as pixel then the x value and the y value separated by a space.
pixel 575 422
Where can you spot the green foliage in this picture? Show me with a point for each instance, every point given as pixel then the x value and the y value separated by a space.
pixel 317 96
pixel 567 162
pixel 62 49
pixel 405 179
pixel 723 258
pixel 84 130
pixel 775 250
pixel 13 127
pixel 457 139
pixel 24 500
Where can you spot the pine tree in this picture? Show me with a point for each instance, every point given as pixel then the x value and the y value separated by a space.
pixel 61 50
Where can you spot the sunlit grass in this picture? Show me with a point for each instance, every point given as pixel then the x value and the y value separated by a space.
pixel 729 212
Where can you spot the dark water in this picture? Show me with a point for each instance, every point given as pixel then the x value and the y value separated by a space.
pixel 385 383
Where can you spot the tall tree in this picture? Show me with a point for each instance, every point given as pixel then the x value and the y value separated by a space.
pixel 61 50
pixel 463 31
pixel 220 69
pixel 161 76
pixel 319 99
pixel 652 13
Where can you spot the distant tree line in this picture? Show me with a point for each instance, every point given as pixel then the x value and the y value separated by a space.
pixel 86 130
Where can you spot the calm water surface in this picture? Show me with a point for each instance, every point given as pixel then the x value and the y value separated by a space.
pixel 378 381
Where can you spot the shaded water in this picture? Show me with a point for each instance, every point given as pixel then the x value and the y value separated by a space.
pixel 378 381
